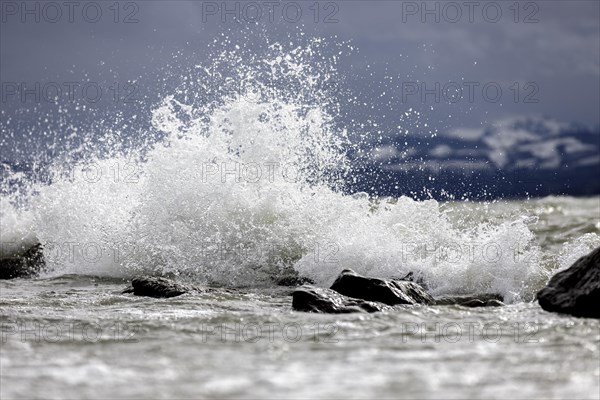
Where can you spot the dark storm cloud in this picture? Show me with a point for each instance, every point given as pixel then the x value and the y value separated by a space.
pixel 557 48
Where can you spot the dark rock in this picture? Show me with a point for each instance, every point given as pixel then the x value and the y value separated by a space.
pixel 473 303
pixel 494 303
pixel 391 292
pixel 471 300
pixel 26 264
pixel 414 278
pixel 312 299
pixel 157 287
pixel 576 290
pixel 293 280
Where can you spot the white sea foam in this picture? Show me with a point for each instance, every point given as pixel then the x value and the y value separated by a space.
pixel 577 248
pixel 247 187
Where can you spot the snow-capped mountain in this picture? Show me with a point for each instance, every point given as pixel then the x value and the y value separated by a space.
pixel 533 143
pixel 512 157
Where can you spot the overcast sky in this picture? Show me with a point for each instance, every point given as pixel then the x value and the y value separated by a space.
pixel 547 52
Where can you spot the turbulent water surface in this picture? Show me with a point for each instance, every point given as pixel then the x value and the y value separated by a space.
pixel 239 191
pixel 76 336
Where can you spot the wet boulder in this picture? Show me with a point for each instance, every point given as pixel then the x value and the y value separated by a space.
pixel 292 280
pixel 157 287
pixel 576 290
pixel 318 300
pixel 390 292
pixel 26 263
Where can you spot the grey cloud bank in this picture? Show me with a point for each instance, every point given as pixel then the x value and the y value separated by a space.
pixel 459 66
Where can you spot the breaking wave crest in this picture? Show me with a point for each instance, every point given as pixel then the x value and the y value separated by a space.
pixel 246 185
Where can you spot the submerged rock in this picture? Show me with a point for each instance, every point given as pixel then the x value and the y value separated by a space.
pixel 26 264
pixel 292 280
pixel 471 300
pixel 391 292
pixel 576 290
pixel 318 300
pixel 157 287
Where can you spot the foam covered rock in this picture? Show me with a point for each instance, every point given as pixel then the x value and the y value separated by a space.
pixel 471 300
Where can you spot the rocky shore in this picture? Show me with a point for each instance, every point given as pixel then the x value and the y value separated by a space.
pixel 350 292
pixel 574 291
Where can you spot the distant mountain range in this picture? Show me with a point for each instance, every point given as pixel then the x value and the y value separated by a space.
pixel 516 157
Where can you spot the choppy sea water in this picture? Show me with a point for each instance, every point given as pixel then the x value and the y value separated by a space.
pixel 244 190
pixel 78 336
